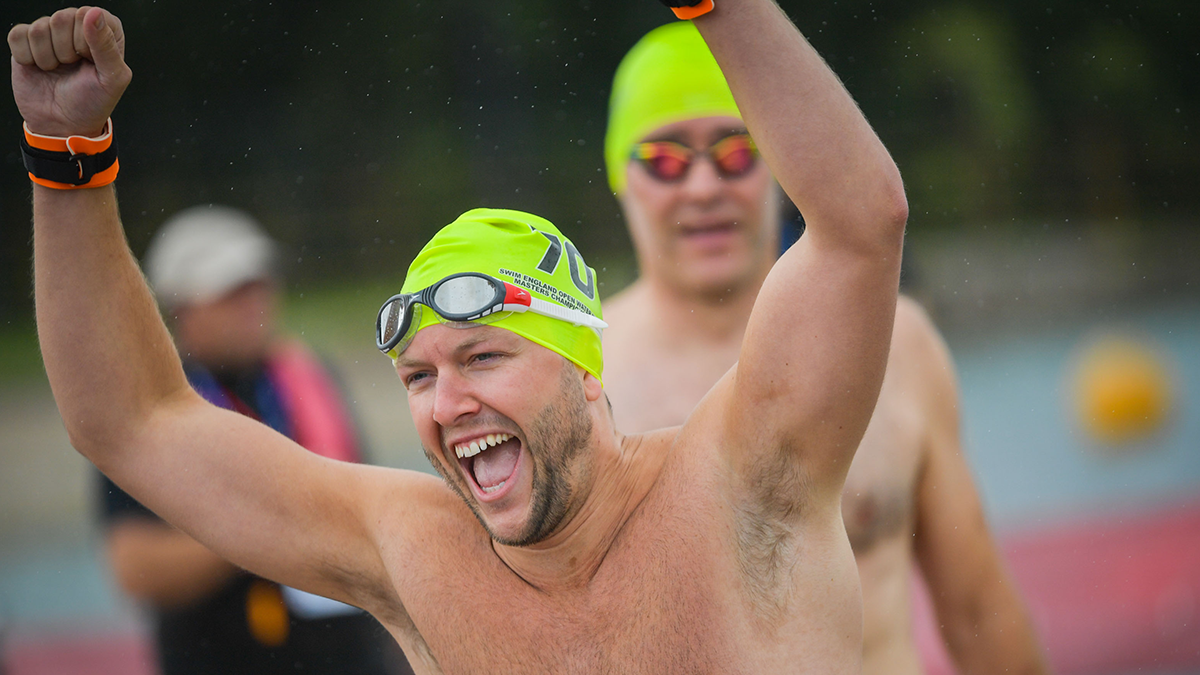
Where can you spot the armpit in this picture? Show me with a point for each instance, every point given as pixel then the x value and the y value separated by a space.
pixel 768 515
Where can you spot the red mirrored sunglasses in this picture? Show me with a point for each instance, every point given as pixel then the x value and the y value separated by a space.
pixel 669 161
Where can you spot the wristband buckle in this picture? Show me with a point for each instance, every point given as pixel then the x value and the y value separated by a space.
pixel 71 162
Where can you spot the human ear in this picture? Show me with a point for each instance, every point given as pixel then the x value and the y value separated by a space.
pixel 593 389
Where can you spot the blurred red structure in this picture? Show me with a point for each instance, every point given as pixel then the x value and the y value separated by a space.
pixel 86 654
pixel 1108 596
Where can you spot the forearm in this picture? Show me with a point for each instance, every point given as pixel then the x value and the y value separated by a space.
pixel 108 355
pixel 995 637
pixel 816 141
pixel 160 565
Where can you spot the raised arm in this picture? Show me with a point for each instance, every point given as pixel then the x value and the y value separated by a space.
pixel 816 346
pixel 247 492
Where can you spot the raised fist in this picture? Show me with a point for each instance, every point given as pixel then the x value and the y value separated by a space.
pixel 68 71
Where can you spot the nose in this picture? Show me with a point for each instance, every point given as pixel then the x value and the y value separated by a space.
pixel 703 181
pixel 453 399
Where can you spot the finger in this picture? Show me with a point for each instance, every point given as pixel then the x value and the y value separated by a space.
pixel 62 36
pixel 118 30
pixel 18 44
pixel 41 45
pixel 102 39
pixel 81 45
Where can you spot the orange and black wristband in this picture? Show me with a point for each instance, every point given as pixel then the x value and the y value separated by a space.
pixel 73 162
pixel 689 10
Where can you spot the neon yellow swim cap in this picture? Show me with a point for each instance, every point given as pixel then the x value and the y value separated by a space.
pixel 526 251
pixel 668 76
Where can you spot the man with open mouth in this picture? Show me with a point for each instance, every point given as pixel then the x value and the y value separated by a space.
pixel 552 543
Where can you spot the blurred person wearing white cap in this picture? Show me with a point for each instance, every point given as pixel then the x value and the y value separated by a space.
pixel 215 276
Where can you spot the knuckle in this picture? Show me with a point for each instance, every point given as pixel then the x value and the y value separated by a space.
pixel 40 29
pixel 17 35
pixel 62 19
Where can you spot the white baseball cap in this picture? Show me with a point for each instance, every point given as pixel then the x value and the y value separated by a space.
pixel 206 251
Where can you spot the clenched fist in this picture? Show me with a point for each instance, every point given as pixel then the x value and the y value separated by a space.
pixel 68 71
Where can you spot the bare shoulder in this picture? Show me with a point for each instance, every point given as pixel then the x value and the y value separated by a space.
pixel 415 504
pixel 623 312
pixel 920 356
pixel 419 523
pixel 917 345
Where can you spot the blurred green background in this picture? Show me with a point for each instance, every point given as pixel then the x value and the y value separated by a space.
pixel 354 132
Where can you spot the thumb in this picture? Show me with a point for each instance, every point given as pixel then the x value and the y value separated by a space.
pixel 102 31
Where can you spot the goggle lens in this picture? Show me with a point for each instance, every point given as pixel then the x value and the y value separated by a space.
pixel 734 155
pixel 391 320
pixel 668 161
pixel 464 295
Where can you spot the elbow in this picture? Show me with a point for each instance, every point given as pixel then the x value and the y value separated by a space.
pixel 125 560
pixel 897 209
pixel 97 441
pixel 103 434
pixel 888 218
pixel 891 208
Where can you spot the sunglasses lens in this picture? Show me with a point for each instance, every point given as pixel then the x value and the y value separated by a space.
pixel 665 161
pixel 464 296
pixel 734 155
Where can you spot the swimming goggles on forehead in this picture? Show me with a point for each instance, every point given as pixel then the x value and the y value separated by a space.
pixel 467 298
pixel 669 161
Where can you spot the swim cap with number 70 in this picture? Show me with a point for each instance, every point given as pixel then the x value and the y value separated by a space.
pixel 527 251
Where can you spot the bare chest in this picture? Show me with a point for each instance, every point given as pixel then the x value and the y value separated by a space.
pixel 653 609
pixel 878 498
pixel 669 597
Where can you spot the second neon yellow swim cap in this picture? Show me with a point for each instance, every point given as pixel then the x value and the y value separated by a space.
pixel 527 251
pixel 668 76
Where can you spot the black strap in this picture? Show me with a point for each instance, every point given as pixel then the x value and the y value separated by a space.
pixel 64 167
pixel 681 3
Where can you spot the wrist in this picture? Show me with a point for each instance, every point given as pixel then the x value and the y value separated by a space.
pixel 71 162
pixel 58 130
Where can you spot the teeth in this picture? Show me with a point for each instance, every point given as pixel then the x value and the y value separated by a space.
pixel 479 445
pixel 490 490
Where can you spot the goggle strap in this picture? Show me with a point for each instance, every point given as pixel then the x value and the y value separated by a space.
pixel 565 314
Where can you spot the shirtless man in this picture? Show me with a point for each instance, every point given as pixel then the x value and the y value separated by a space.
pixel 552 543
pixel 706 236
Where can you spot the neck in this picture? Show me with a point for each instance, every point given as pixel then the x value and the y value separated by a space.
pixel 620 478
pixel 691 316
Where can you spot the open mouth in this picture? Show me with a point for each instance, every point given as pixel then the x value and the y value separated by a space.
pixel 707 233
pixel 490 462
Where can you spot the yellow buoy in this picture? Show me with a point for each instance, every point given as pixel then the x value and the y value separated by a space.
pixel 1122 389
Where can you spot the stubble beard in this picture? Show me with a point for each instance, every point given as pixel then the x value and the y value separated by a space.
pixel 556 437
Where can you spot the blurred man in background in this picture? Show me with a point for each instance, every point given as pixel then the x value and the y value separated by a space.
pixel 704 214
pixel 214 272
